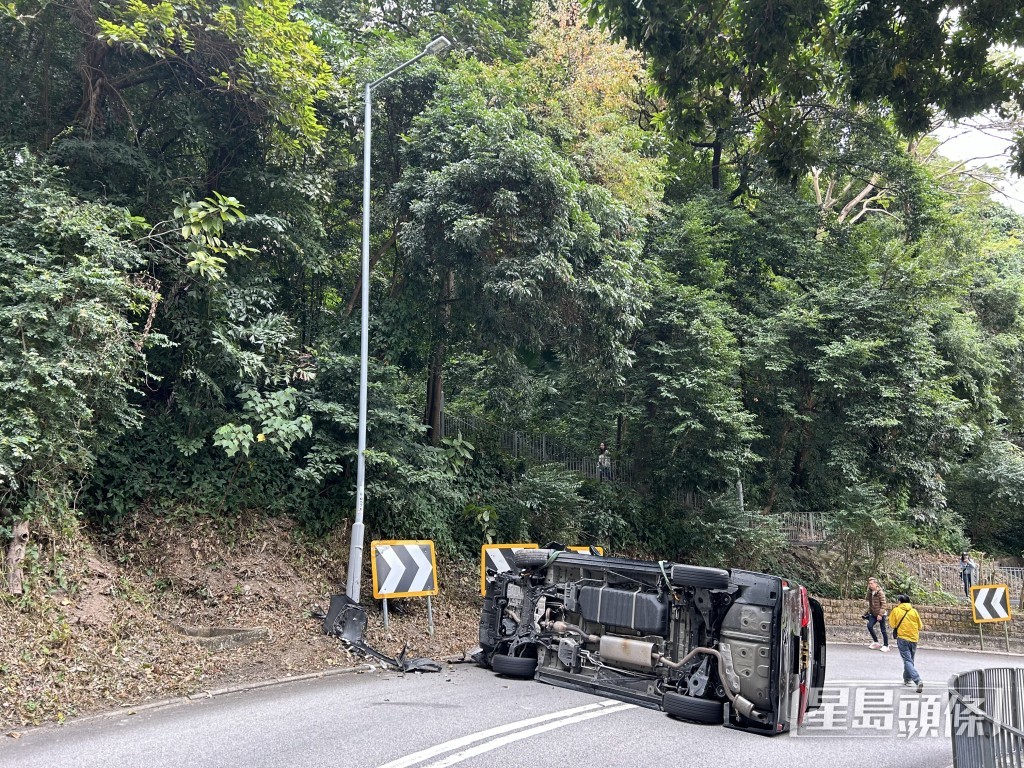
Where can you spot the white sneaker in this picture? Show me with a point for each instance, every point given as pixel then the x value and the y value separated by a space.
pixel 884 649
pixel 874 646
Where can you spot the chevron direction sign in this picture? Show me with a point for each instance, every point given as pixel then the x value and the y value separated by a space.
pixel 497 558
pixel 990 602
pixel 403 568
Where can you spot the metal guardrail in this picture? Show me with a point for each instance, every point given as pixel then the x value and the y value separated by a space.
pixel 805 527
pixel 986 711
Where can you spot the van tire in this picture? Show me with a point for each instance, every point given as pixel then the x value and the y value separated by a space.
pixel 697 576
pixel 531 558
pixel 514 666
pixel 705 711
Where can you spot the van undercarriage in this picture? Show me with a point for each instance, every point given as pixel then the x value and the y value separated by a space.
pixel 703 644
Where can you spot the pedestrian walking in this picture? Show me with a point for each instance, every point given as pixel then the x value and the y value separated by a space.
pixel 968 572
pixel 906 628
pixel 877 610
pixel 604 463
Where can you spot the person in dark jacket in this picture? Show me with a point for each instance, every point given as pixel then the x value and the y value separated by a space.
pixel 877 610
pixel 968 572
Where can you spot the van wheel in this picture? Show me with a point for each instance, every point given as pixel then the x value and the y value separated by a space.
pixel 689 708
pixel 697 576
pixel 531 558
pixel 514 666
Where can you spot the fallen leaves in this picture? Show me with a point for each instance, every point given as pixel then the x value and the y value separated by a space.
pixel 67 653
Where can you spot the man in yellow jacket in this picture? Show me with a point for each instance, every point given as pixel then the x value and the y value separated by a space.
pixel 906 625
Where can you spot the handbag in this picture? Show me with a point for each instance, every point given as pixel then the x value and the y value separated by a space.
pixel 895 630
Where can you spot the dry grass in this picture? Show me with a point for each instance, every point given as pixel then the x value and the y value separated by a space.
pixel 100 631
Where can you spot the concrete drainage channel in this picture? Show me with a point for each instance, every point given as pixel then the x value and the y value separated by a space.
pixel 224 638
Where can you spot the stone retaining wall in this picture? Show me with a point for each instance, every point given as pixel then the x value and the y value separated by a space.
pixel 940 619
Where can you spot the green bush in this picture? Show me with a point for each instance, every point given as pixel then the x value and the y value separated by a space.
pixel 70 356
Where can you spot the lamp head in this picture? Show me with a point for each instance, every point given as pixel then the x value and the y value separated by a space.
pixel 438 45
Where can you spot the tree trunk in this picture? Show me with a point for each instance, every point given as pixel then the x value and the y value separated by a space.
pixel 91 65
pixel 435 394
pixel 16 556
pixel 435 379
pixel 807 410
pixel 716 162
pixel 357 292
pixel 716 158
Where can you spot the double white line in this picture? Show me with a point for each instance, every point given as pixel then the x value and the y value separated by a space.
pixel 495 738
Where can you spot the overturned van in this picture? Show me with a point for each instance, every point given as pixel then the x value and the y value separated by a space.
pixel 703 644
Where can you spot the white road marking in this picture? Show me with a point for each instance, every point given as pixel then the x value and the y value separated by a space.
pixel 519 736
pixel 541 724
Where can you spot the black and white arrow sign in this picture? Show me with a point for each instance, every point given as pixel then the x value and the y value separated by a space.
pixel 497 558
pixel 990 602
pixel 403 569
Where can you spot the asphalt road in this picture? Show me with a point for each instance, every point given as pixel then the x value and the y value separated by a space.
pixel 468 717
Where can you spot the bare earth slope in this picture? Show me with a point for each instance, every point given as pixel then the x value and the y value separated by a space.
pixel 107 630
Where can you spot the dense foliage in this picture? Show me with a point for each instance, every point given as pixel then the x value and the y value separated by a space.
pixel 730 251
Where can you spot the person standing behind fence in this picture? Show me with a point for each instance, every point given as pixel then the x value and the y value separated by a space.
pixel 604 463
pixel 877 608
pixel 906 628
pixel 968 572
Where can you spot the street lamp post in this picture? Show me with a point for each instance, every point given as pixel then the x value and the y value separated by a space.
pixel 355 556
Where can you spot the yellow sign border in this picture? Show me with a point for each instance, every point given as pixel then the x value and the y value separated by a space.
pixel 974 610
pixel 404 543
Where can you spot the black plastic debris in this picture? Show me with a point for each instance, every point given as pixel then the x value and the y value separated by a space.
pixel 346 620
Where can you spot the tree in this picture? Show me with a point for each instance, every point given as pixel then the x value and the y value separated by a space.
pixel 70 356
pixel 934 56
pixel 505 246
pixel 731 69
pixel 547 191
pixel 771 70
pixel 689 430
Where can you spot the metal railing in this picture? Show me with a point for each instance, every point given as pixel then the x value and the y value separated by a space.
pixel 986 712
pixel 538 448
pixel 804 527
pixel 801 527
pixel 946 577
